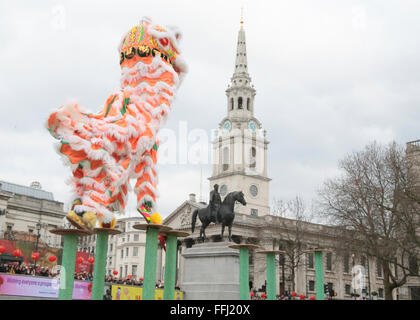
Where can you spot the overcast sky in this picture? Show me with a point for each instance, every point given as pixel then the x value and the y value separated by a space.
pixel 331 76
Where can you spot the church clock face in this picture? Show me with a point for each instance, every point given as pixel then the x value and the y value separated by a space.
pixel 227 125
pixel 253 190
pixel 252 125
pixel 223 190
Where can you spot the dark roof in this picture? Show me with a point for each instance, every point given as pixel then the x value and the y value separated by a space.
pixel 26 191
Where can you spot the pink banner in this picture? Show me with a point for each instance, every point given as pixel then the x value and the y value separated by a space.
pixel 14 285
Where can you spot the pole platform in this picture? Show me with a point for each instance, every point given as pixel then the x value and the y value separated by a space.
pixel 146 226
pixel 244 245
pixel 78 232
pixel 177 233
pixel 110 231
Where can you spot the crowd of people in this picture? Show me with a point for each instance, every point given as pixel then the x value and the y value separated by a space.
pixel 24 269
pixel 32 270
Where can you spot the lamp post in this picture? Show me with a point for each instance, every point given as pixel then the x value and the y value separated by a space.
pixel 38 235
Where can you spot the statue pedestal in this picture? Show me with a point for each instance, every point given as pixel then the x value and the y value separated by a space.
pixel 211 272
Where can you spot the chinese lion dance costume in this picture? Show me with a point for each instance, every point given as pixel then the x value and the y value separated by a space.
pixel 108 149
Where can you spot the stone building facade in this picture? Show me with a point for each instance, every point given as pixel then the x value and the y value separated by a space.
pixel 29 212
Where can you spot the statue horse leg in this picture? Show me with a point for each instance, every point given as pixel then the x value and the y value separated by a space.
pixel 203 231
pixel 230 232
pixel 223 230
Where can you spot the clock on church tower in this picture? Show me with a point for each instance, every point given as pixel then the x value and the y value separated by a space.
pixel 240 148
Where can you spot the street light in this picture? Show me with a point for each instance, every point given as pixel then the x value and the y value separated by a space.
pixel 38 228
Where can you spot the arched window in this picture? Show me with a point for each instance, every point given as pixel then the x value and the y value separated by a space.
pixel 225 158
pixel 253 157
pixel 240 103
pixel 248 102
pixel 231 103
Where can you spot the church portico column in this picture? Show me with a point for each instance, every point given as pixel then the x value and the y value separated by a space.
pixel 260 264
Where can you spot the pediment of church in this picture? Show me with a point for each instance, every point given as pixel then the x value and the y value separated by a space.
pixel 181 218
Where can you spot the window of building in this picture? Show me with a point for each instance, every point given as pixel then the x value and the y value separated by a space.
pixel 126 270
pixel 413 265
pixel 380 292
pixel 225 158
pixel 248 103
pixel 347 289
pixel 329 261
pixel 121 269
pixel 110 247
pixel 240 103
pixel 310 260
pixel 128 238
pixel 134 271
pixel 122 253
pixel 254 212
pixel 136 237
pixel 126 252
pixel 311 285
pixel 363 261
pixel 253 157
pixel 346 263
pixel 231 103
pixel 135 251
pixel 378 268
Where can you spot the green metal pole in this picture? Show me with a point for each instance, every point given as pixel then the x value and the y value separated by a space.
pixel 170 267
pixel 68 266
pixel 100 266
pixel 244 273
pixel 319 275
pixel 149 284
pixel 271 276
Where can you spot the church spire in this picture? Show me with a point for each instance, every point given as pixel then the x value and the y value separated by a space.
pixel 240 92
pixel 241 65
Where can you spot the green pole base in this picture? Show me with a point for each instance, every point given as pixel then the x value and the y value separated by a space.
pixel 319 275
pixel 149 283
pixel 244 273
pixel 68 267
pixel 100 265
pixel 170 267
pixel 271 276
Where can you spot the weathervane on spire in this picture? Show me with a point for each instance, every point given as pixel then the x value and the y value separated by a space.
pixel 242 15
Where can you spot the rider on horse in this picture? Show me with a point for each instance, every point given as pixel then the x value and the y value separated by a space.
pixel 215 203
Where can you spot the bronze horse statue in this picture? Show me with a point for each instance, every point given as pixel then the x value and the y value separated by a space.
pixel 225 214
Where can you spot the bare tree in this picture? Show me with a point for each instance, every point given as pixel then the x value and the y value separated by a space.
pixel 294 215
pixel 373 200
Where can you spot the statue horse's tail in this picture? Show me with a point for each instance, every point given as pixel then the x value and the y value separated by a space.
pixel 194 219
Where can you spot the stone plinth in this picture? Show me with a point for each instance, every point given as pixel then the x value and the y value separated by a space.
pixel 211 272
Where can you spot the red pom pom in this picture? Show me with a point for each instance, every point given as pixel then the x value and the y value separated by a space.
pixel 164 41
pixel 91 259
pixel 302 297
pixel 312 298
pixel 2 249
pixel 52 258
pixel 129 276
pixel 115 272
pixel 35 256
pixel 294 294
pixel 80 260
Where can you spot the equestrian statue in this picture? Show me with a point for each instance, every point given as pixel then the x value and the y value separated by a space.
pixel 218 212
